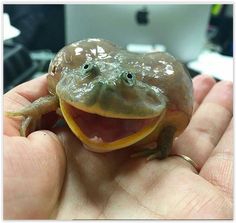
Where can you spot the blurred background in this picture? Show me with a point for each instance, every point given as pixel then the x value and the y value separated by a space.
pixel 200 36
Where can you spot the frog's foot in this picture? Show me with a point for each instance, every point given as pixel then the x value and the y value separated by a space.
pixel 151 154
pixel 28 124
pixel 164 145
pixel 33 112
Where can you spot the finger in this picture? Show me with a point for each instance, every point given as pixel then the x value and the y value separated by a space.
pixel 202 84
pixel 207 124
pixel 218 169
pixel 18 98
pixel 25 93
pixel 34 169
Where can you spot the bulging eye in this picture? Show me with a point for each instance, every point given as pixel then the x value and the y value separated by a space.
pixel 86 66
pixel 129 75
pixel 128 78
pixel 89 69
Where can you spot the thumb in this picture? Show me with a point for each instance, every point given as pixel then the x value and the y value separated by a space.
pixel 34 169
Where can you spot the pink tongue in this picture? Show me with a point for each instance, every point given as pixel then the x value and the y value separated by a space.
pixel 107 129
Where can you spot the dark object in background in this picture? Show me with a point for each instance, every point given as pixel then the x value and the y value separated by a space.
pixel 41 26
pixel 18 66
pixel 42 29
pixel 224 24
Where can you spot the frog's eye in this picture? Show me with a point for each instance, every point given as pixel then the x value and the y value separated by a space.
pixel 86 66
pixel 90 69
pixel 129 75
pixel 128 78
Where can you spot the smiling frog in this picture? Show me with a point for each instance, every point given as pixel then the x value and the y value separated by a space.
pixel 113 99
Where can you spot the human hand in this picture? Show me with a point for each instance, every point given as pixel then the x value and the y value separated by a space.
pixel 114 186
pixel 34 167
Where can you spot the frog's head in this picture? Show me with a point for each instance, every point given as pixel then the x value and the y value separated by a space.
pixel 111 98
pixel 107 106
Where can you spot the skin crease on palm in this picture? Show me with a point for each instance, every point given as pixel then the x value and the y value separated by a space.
pixel 50 175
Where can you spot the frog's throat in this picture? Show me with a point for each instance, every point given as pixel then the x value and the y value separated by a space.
pixel 97 132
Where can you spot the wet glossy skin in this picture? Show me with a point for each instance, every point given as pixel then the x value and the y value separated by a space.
pixel 157 75
pixel 144 93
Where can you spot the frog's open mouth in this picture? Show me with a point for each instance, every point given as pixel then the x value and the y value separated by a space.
pixel 103 134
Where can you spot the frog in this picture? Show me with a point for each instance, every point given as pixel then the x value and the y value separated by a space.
pixel 113 99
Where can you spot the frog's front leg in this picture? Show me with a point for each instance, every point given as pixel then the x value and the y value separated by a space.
pixel 32 113
pixel 164 145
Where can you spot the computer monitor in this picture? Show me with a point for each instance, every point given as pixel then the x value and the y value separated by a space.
pixel 181 28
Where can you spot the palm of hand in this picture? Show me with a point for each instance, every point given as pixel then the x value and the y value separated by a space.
pixel 113 186
pixel 83 184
